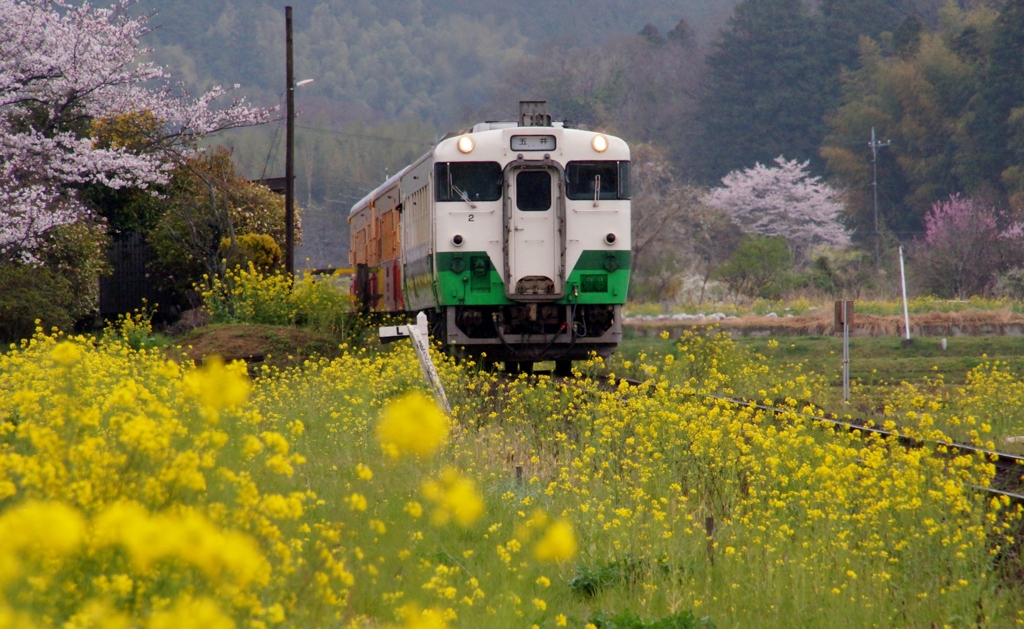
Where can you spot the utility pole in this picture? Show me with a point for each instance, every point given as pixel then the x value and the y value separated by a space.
pixel 875 145
pixel 289 158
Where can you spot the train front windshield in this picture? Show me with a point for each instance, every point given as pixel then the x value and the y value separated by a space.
pixel 583 179
pixel 467 181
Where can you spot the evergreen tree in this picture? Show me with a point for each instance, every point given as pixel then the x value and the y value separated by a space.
pixel 918 103
pixel 845 21
pixel 767 90
pixel 995 125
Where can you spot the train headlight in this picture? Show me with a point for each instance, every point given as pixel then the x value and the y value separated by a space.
pixel 610 239
pixel 466 144
pixel 457 240
pixel 600 143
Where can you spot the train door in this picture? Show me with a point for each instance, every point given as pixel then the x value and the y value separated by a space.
pixel 533 233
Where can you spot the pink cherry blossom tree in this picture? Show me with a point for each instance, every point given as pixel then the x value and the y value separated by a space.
pixel 64 66
pixel 782 200
pixel 964 247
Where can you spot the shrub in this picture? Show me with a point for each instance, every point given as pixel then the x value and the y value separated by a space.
pixel 259 249
pixel 204 202
pixel 760 267
pixel 29 294
pixel 78 253
pixel 1010 284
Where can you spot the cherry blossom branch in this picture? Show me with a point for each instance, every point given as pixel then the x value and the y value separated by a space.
pixel 63 66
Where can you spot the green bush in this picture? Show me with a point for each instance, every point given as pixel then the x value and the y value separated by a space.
pixel 195 219
pixel 759 267
pixel 29 294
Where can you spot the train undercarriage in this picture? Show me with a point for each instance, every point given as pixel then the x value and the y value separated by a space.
pixel 522 334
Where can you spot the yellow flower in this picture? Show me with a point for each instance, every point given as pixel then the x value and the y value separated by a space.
pixel 414 509
pixel 363 472
pixel 412 424
pixel 251 446
pixel 66 353
pixel 456 498
pixel 200 612
pixel 416 619
pixel 275 613
pixel 38 526
pixel 356 502
pixel 218 385
pixel 558 543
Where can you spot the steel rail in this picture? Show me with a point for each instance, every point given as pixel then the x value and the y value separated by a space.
pixel 1002 460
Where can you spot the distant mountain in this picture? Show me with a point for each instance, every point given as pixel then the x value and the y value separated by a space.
pixel 392 59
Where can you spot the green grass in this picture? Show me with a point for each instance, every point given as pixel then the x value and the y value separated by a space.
pixel 873 361
pixel 880 371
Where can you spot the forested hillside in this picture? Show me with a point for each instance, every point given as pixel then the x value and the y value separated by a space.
pixel 395 58
pixel 391 75
pixel 713 86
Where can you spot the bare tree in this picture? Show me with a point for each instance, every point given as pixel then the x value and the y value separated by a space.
pixel 673 231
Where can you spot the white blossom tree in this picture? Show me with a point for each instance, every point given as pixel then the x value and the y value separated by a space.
pixel 782 200
pixel 64 67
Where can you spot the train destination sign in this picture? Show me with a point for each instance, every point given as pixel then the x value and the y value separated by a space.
pixel 533 143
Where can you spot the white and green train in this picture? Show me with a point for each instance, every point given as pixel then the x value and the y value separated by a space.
pixel 513 237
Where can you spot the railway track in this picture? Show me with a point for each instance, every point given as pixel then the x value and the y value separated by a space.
pixel 1009 478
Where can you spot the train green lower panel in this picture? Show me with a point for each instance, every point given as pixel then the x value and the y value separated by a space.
pixel 601 277
pixel 471 279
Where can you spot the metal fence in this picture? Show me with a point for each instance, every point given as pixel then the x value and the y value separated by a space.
pixel 132 283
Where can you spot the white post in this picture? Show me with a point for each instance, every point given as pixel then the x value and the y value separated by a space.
pixel 906 313
pixel 419 334
pixel 846 354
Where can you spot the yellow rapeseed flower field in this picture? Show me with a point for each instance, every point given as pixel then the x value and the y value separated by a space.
pixel 137 492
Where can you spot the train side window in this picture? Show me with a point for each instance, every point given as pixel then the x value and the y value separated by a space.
pixel 582 178
pixel 467 181
pixel 625 189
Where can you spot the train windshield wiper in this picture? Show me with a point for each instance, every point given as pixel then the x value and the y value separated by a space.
pixel 463 195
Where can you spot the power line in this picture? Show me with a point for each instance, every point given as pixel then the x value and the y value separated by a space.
pixel 364 136
pixel 272 150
